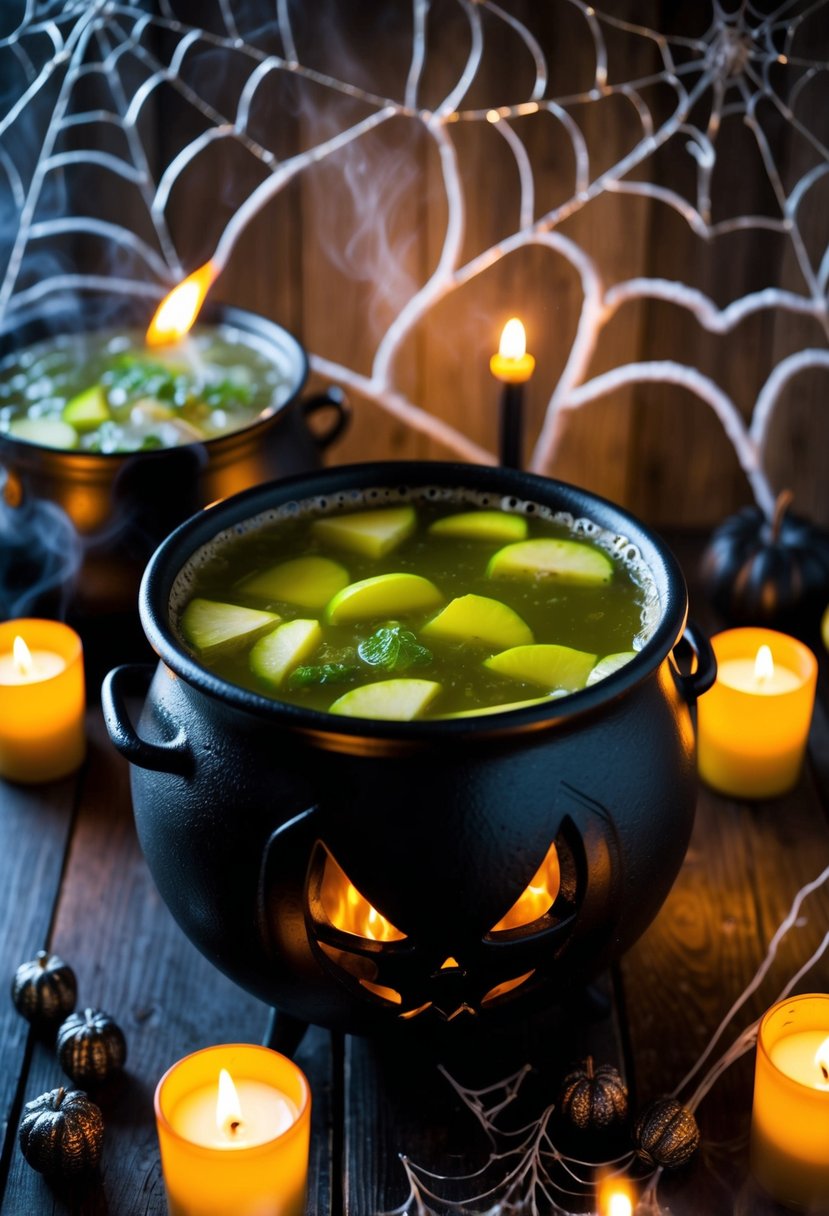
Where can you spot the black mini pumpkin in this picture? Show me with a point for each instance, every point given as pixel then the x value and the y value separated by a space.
pixel 768 572
pixel 666 1134
pixel 44 990
pixel 91 1047
pixel 592 1098
pixel 61 1133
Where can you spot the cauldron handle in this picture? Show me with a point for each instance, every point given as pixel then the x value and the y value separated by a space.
pixel 333 399
pixel 171 757
pixel 702 677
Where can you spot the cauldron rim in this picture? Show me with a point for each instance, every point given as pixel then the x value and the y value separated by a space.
pixel 360 733
pixel 36 330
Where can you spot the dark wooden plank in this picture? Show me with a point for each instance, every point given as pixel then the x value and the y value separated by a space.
pixel 35 822
pixel 133 961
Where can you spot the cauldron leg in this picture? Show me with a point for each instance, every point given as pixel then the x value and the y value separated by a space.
pixel 284 1033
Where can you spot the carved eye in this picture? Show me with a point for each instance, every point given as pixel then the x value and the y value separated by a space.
pixel 538 896
pixel 348 910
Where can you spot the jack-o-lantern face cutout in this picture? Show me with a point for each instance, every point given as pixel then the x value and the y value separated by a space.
pixel 379 961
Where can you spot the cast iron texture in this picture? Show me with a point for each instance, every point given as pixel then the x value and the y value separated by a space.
pixel 440 825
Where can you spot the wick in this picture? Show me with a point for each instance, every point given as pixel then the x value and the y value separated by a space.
pixel 235 1124
pixel 825 1071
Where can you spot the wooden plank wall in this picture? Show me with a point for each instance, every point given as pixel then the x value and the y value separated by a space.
pixel 319 261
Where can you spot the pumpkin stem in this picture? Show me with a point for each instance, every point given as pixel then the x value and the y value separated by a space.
pixel 588 1067
pixel 59 1096
pixel 42 957
pixel 781 506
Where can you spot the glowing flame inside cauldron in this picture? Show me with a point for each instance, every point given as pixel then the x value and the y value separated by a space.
pixel 537 898
pixel 350 911
pixel 178 310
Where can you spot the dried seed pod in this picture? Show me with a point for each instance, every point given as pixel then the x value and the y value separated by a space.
pixel 666 1134
pixel 91 1047
pixel 44 990
pixel 61 1133
pixel 592 1098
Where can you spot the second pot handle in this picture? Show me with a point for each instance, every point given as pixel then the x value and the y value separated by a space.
pixel 172 757
pixel 704 674
pixel 333 399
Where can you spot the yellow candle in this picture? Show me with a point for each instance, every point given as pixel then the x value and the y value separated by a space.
pixel 233 1125
pixel 42 700
pixel 790 1112
pixel 752 726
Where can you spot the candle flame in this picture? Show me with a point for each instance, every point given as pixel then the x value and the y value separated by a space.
pixel 513 344
pixel 617 1197
pixel 22 657
pixel 178 310
pixel 763 665
pixel 228 1108
pixel 822 1059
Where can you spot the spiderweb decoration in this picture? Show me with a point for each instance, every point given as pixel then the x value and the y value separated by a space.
pixel 527 1173
pixel 90 79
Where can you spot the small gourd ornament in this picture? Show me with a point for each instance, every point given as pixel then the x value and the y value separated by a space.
pixel 44 990
pixel 91 1047
pixel 773 572
pixel 61 1134
pixel 666 1134
pixel 592 1098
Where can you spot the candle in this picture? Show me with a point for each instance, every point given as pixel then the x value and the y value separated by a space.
pixel 615 1197
pixel 790 1111
pixel 754 723
pixel 233 1126
pixel 513 367
pixel 42 700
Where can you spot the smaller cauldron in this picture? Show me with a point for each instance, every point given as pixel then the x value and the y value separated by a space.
pixel 115 508
pixel 255 816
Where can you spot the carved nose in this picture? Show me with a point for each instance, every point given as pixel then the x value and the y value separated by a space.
pixel 449 984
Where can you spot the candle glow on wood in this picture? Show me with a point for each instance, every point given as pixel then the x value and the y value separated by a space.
pixel 177 312
pixel 754 723
pixel 42 701
pixel 790 1112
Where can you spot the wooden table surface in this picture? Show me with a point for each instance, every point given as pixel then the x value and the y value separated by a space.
pixel 72 878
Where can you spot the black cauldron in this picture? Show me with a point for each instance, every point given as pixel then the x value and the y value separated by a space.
pixel 251 812
pixel 115 508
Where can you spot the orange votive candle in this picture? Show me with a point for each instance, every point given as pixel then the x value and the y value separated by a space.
pixel 790 1112
pixel 42 700
pixel 753 724
pixel 245 1154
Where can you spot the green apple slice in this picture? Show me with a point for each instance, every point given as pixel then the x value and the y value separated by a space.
pixel 479 620
pixel 279 652
pixel 212 627
pixel 398 594
pixel 551 666
pixel 566 561
pixel 88 409
pixel 48 432
pixel 391 700
pixel 309 582
pixel 372 533
pixel 481 525
pixel 609 664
